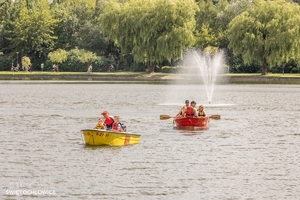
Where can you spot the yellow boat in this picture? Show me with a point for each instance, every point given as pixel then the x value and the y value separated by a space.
pixel 111 138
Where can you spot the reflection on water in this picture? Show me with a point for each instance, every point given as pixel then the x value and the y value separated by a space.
pixel 189 128
pixel 190 131
pixel 252 152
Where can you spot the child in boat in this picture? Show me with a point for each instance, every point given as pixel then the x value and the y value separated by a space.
pixel 117 126
pixel 201 112
pixel 100 125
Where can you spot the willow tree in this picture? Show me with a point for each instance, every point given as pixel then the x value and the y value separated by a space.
pixel 267 33
pixel 152 30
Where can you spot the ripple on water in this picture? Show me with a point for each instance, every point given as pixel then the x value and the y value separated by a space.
pixel 252 152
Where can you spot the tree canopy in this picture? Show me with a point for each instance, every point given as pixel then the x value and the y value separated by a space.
pixel 33 29
pixel 152 30
pixel 267 33
pixel 138 34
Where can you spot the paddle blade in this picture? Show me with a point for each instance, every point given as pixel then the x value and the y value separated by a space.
pixel 215 117
pixel 163 117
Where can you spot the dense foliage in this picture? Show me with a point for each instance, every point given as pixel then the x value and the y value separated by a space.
pixel 267 33
pixel 139 35
pixel 140 28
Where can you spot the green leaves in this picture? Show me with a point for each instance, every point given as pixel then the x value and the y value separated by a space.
pixel 267 33
pixel 153 30
pixel 26 62
pixel 58 56
pixel 33 29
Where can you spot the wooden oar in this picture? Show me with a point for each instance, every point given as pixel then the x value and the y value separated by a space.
pixel 163 117
pixel 215 117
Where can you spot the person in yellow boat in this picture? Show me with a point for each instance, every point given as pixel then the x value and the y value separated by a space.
pixel 108 122
pixel 201 112
pixel 117 126
pixel 100 125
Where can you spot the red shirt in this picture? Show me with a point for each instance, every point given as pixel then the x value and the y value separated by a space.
pixel 108 122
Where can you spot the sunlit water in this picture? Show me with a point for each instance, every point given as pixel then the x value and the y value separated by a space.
pixel 252 152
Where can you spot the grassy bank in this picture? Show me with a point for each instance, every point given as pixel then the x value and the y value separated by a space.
pixel 266 79
pixel 142 76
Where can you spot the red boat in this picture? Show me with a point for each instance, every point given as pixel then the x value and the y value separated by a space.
pixel 192 121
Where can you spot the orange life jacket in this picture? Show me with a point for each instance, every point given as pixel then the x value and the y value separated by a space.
pixel 115 126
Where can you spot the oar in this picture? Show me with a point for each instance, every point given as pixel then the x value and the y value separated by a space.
pixel 215 117
pixel 163 117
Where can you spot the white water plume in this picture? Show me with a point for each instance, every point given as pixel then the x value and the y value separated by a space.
pixel 208 66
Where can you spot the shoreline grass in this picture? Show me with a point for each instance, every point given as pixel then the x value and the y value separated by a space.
pixel 146 77
pixel 141 74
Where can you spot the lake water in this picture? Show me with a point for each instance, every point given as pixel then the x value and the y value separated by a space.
pixel 252 152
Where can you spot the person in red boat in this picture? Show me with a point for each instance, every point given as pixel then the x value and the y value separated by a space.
pixel 190 111
pixel 201 112
pixel 117 126
pixel 183 110
pixel 108 122
pixel 194 112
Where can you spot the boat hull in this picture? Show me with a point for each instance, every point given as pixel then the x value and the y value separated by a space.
pixel 100 137
pixel 192 122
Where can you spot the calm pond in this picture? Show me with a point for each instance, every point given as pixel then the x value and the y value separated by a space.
pixel 252 152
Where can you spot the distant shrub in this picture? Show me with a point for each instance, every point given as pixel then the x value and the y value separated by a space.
pixel 5 63
pixel 170 69
pixel 77 60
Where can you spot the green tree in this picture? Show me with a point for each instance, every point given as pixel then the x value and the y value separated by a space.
pixel 224 17
pixel 7 15
pixel 78 60
pixel 92 38
pixel 83 55
pixel 233 9
pixel 33 29
pixel 267 33
pixel 153 30
pixel 208 32
pixel 78 25
pixel 58 56
pixel 72 16
pixel 26 62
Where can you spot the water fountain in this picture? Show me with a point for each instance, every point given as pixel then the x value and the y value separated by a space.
pixel 210 67
pixel 207 65
pixel 200 70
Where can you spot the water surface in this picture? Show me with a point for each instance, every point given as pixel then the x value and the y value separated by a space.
pixel 251 153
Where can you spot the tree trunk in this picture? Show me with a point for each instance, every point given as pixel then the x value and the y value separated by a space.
pixel 264 69
pixel 151 67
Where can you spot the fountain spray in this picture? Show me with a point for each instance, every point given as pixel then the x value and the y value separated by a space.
pixel 209 66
